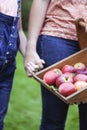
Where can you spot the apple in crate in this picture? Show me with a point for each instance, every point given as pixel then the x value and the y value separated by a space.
pixel 79 66
pixel 67 89
pixel 51 76
pixel 80 77
pixel 82 71
pixel 66 77
pixel 68 68
pixel 80 84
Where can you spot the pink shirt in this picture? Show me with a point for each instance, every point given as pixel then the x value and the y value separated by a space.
pixel 61 16
pixel 8 7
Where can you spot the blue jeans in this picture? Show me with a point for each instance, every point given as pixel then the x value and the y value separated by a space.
pixel 9 44
pixel 54 111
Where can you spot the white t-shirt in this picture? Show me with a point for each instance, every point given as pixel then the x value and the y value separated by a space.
pixel 8 7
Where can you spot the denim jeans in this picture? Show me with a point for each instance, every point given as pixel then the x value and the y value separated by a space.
pixel 9 44
pixel 54 111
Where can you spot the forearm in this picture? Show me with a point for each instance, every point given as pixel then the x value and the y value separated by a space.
pixel 23 41
pixel 37 15
pixel 32 60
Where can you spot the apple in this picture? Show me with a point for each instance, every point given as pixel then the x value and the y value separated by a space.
pixel 58 71
pixel 68 68
pixel 80 77
pixel 51 76
pixel 81 72
pixel 66 77
pixel 67 89
pixel 79 66
pixel 80 84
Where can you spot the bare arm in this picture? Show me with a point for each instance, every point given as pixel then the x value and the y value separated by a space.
pixel 23 39
pixel 36 19
pixel 37 15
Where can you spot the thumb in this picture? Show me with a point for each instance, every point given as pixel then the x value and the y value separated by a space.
pixel 43 62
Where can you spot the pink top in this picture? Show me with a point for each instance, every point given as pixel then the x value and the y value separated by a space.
pixel 8 7
pixel 61 16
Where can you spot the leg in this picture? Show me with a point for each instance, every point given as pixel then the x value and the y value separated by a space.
pixel 6 79
pixel 54 112
pixel 52 50
pixel 4 99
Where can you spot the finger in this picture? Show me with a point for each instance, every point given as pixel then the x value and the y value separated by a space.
pixel 40 66
pixel 43 62
pixel 34 66
pixel 30 73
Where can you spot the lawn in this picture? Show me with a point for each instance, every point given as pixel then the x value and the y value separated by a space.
pixel 24 112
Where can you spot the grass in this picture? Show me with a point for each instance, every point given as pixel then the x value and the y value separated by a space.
pixel 24 112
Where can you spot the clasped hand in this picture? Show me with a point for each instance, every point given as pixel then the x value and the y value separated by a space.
pixel 33 64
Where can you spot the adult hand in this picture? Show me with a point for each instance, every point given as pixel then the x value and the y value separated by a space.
pixel 33 63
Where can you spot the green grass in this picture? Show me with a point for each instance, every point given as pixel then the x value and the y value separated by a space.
pixel 24 112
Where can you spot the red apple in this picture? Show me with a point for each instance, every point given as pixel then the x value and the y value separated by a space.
pixel 67 89
pixel 81 72
pixel 58 71
pixel 80 84
pixel 80 77
pixel 51 76
pixel 68 68
pixel 66 77
pixel 79 66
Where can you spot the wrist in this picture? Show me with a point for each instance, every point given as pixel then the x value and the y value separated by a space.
pixel 31 45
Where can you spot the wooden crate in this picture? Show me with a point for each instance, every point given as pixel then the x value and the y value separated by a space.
pixel 79 96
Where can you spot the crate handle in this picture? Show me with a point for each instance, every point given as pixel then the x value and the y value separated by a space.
pixel 81 22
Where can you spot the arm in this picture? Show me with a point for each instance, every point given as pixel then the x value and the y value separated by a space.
pixel 23 39
pixel 37 16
